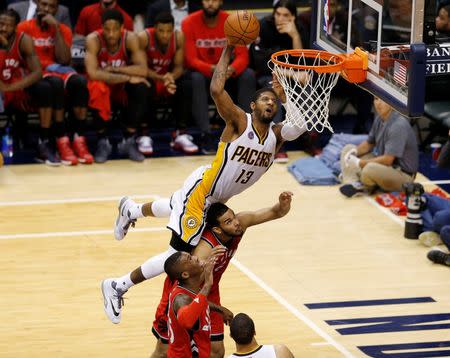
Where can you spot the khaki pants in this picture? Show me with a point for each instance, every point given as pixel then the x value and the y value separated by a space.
pixel 374 174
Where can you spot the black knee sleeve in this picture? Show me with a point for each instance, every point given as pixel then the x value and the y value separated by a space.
pixel 41 93
pixel 78 91
pixel 57 85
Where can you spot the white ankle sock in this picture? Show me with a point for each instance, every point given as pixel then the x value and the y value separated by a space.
pixel 136 211
pixel 161 208
pixel 155 265
pixel 124 282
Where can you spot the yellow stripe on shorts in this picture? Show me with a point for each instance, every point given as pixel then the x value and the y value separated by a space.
pixel 192 220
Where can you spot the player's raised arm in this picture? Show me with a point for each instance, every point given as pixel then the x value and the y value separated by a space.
pixel 230 113
pixel 280 209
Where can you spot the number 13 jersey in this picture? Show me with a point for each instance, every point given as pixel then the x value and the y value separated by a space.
pixel 240 163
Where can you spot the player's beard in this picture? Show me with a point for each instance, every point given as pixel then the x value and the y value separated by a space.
pixel 210 13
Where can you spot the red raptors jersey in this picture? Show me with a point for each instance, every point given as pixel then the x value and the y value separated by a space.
pixel 12 64
pixel 44 39
pixel 117 59
pixel 192 342
pixel 221 263
pixel 160 62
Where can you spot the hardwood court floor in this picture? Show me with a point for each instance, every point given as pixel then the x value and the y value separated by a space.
pixel 56 245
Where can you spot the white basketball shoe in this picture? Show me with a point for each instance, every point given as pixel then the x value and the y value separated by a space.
pixel 112 300
pixel 123 220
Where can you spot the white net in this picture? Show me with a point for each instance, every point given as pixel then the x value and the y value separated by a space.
pixel 307 91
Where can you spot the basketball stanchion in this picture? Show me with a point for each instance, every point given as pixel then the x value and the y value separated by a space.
pixel 308 76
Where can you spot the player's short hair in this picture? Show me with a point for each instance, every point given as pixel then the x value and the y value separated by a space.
pixel 215 211
pixel 242 329
pixel 112 14
pixel 11 13
pixel 170 266
pixel 164 17
pixel 288 4
pixel 259 92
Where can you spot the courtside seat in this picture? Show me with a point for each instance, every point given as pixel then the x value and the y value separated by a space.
pixel 438 114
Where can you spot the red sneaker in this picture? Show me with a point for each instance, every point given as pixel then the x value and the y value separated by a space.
pixel 281 157
pixel 81 150
pixel 65 151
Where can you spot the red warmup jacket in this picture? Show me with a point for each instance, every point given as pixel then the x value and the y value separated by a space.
pixel 204 45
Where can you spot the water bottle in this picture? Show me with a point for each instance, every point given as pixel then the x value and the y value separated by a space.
pixel 7 147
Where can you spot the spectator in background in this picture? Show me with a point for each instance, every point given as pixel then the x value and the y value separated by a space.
pixel 388 159
pixel 53 41
pixel 280 31
pixel 443 22
pixel 242 330
pixel 178 8
pixel 444 156
pixel 205 40
pixel 117 68
pixel 20 80
pixel 165 56
pixel 90 18
pixel 27 10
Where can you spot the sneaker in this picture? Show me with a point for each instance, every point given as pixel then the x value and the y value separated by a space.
pixel 123 220
pixel 81 150
pixel 46 155
pixel 208 144
pixel 184 143
pixel 281 157
pixel 112 300
pixel 439 257
pixel 104 150
pixel 353 189
pixel 65 151
pixel 129 149
pixel 145 145
pixel 430 238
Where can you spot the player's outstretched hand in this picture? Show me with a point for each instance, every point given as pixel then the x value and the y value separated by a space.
pixel 285 200
pixel 276 85
pixel 226 314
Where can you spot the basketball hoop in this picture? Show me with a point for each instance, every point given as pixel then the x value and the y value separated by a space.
pixel 308 76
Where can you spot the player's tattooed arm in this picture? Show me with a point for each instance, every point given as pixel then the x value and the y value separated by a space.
pixel 225 312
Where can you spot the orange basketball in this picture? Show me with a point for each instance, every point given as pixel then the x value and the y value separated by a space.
pixel 241 28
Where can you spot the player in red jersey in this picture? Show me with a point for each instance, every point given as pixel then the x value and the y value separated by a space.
pixel 53 41
pixel 115 61
pixel 188 311
pixel 21 80
pixel 165 55
pixel 224 229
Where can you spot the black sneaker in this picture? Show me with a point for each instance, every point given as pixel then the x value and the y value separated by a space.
pixel 103 151
pixel 439 257
pixel 208 144
pixel 128 148
pixel 353 189
pixel 46 155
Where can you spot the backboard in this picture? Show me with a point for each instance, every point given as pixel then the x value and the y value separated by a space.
pixel 391 31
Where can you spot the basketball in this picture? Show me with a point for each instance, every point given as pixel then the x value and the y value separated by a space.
pixel 241 28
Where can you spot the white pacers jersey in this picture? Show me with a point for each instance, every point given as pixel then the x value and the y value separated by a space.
pixel 236 167
pixel 240 164
pixel 265 351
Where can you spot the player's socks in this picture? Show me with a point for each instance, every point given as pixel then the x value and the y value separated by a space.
pixel 135 211
pixel 124 282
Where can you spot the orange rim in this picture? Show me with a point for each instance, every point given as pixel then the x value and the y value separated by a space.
pixel 324 55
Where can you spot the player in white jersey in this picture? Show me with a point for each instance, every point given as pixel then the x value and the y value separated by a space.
pixel 246 150
pixel 242 330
